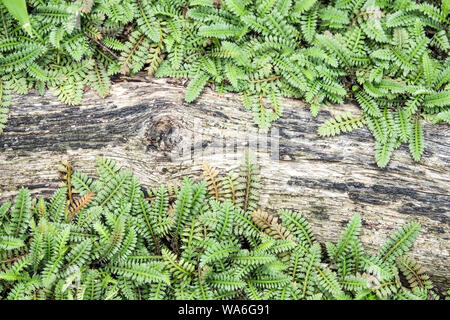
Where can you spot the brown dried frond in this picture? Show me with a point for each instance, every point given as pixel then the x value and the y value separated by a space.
pixel 211 176
pixel 65 169
pixel 155 59
pixel 270 224
pixel 86 6
pixel 171 211
pixel 41 207
pixel 414 273
pixel 204 272
pixel 78 204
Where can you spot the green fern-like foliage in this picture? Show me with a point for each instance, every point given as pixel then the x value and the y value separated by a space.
pixel 5 94
pixel 341 123
pixel 389 57
pixel 104 238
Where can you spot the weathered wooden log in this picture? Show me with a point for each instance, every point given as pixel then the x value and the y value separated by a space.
pixel 142 123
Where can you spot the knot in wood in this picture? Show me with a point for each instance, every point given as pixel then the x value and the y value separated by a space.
pixel 163 134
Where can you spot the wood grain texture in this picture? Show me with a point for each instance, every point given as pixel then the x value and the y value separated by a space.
pixel 327 179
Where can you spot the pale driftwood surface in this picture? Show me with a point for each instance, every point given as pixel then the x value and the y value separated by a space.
pixel 327 179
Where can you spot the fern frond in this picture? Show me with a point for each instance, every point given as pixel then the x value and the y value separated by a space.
pixel 383 152
pixel 248 185
pixel 349 236
pixel 416 142
pixel 195 86
pixel 20 213
pixel 270 225
pixel 400 242
pixel 414 273
pixel 341 123
pixel 141 273
pixel 298 225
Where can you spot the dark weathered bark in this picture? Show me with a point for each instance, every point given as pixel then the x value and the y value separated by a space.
pixel 327 179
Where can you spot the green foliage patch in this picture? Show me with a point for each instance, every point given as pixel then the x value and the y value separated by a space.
pixel 108 238
pixel 389 56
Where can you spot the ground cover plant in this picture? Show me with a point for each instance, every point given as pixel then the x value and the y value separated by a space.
pixel 388 56
pixel 109 238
